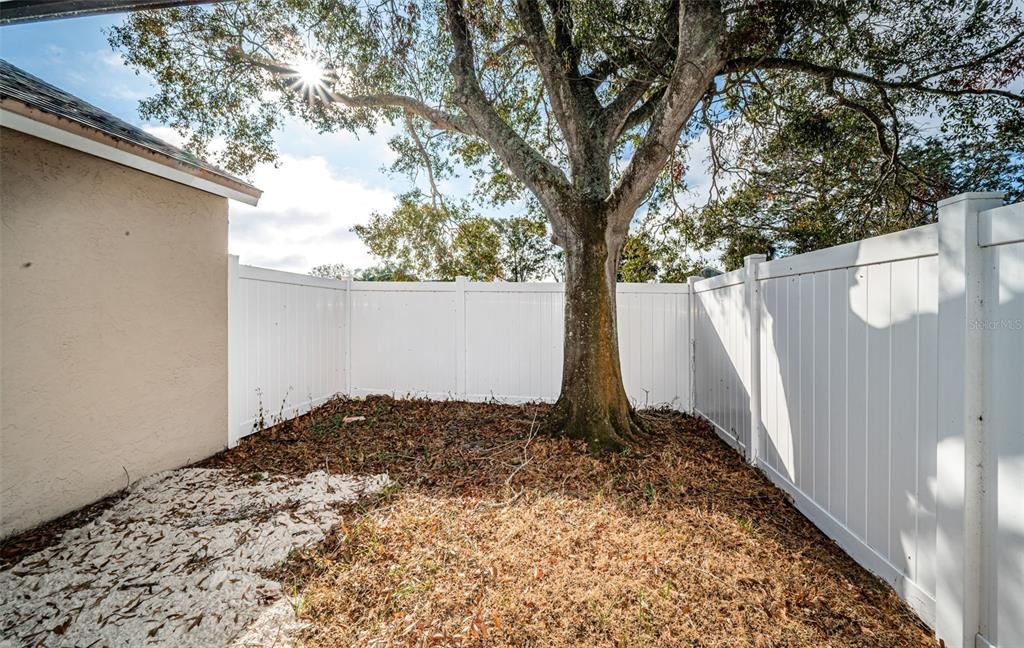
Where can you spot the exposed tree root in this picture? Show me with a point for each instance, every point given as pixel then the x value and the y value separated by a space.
pixel 603 429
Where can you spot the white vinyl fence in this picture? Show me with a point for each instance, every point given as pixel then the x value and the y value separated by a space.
pixel 296 341
pixel 1001 329
pixel 885 379
pixel 880 383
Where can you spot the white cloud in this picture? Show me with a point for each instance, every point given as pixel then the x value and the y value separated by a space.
pixel 698 174
pixel 309 205
pixel 305 217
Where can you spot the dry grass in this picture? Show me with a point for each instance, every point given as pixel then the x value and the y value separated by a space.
pixel 495 537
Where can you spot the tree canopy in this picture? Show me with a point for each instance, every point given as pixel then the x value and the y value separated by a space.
pixel 830 119
pixel 442 242
pixel 828 122
pixel 382 272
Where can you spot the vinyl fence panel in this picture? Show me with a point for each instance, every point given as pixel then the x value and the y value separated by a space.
pixel 297 341
pixel 286 346
pixel 1002 330
pixel 841 392
pixel 721 330
pixel 403 339
pixel 654 344
pixel 513 341
pixel 843 414
pixel 888 400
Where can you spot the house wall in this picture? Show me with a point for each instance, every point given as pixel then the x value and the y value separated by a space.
pixel 114 327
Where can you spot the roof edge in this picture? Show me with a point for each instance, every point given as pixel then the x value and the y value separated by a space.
pixel 22 117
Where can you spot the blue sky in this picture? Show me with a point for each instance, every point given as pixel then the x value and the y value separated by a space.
pixel 322 186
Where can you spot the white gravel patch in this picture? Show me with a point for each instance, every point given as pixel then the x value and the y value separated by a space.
pixel 176 563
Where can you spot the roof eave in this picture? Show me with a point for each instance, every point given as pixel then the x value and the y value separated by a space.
pixel 19 116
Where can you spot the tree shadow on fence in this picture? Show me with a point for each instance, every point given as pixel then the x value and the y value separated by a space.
pixel 850 365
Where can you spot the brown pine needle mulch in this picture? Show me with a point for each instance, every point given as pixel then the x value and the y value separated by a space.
pixel 493 536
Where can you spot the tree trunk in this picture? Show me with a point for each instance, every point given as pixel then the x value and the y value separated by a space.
pixel 593 405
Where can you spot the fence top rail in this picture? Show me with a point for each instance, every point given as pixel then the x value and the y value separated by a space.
pixel 909 244
pixel 1001 225
pixel 403 286
pixel 731 278
pixel 653 288
pixel 292 278
pixel 553 287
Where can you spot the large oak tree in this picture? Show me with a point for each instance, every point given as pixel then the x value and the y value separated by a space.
pixel 586 104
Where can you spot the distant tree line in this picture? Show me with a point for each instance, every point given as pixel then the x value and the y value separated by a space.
pixel 423 240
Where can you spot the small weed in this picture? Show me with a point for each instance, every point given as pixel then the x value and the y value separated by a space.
pixel 650 494
pixel 643 612
pixel 319 428
pixel 454 463
pixel 298 601
pixel 601 615
pixel 265 419
pixel 414 588
pixel 665 591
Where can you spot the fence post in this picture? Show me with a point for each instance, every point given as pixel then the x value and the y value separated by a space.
pixel 349 383
pixel 691 343
pixel 234 339
pixel 960 451
pixel 753 289
pixel 460 336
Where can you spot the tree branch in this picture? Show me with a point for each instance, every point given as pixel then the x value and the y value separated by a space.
pixel 602 70
pixel 553 74
pixel 439 119
pixel 642 113
pixel 436 118
pixel 987 56
pixel 868 113
pixel 826 71
pixel 618 112
pixel 890 150
pixel 698 60
pixel 561 14
pixel 435 195
pixel 544 179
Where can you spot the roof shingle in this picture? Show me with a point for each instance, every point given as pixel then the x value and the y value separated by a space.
pixel 33 92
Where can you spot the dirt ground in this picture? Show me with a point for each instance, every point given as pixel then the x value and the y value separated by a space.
pixel 493 536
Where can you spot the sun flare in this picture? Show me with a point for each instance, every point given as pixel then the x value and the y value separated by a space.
pixel 309 72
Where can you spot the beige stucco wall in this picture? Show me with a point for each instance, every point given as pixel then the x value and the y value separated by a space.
pixel 113 334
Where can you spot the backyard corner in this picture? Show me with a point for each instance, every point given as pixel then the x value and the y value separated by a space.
pixel 493 535
pixel 516 324
pixel 482 533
